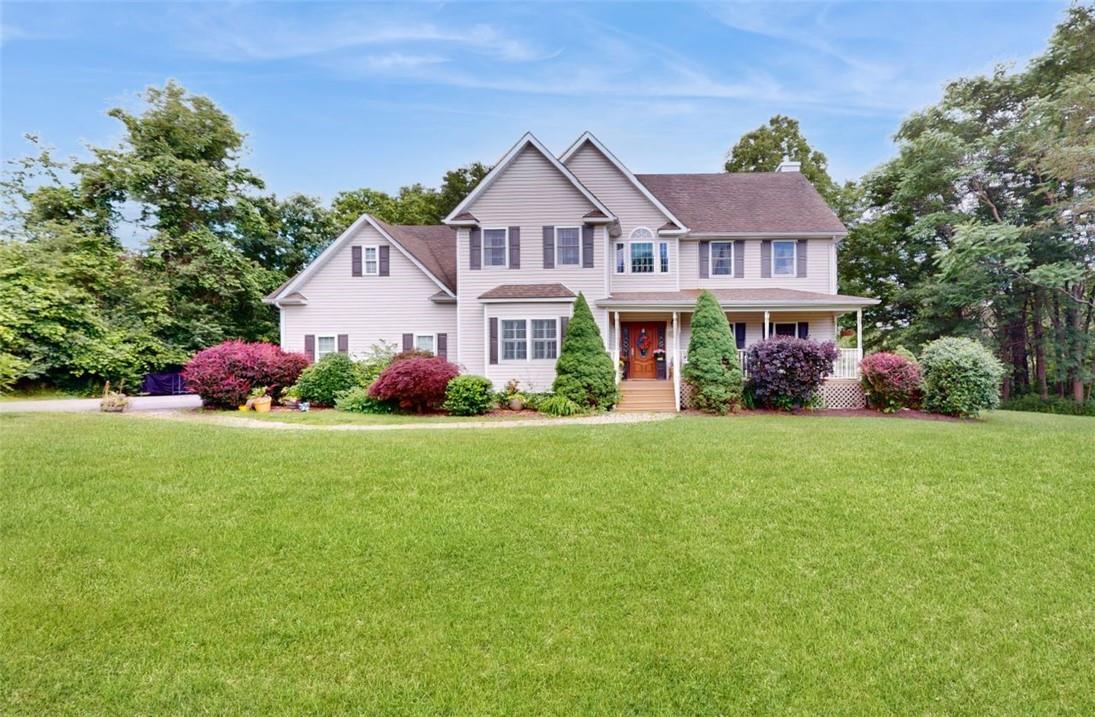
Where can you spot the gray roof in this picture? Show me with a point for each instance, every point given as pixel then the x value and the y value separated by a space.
pixel 742 203
pixel 528 291
pixel 433 245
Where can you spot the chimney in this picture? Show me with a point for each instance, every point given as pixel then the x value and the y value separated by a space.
pixel 788 166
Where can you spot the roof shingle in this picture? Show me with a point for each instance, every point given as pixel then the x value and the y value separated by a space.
pixel 528 291
pixel 433 245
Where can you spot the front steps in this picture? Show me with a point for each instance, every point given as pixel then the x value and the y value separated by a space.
pixel 646 396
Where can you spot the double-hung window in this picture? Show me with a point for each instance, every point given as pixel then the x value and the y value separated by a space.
pixel 424 342
pixel 544 339
pixel 568 246
pixel 494 247
pixel 784 258
pixel 642 257
pixel 372 264
pixel 514 340
pixel 325 345
pixel 722 258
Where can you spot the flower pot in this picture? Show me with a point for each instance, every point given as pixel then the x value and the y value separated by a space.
pixel 261 405
pixel 516 404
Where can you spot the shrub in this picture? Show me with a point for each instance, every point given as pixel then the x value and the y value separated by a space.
pixel 786 372
pixel 585 373
pixel 379 358
pixel 558 405
pixel 712 369
pixel 961 377
pixel 890 381
pixel 224 375
pixel 416 384
pixel 1053 404
pixel 906 353
pixel 323 381
pixel 358 400
pixel 469 395
pixel 410 354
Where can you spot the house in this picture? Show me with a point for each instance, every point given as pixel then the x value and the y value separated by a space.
pixel 492 288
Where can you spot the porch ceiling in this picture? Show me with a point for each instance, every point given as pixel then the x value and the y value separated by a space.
pixel 745 299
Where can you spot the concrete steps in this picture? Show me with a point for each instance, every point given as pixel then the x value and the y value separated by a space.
pixel 646 396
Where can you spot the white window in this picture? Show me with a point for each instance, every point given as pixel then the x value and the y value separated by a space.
pixel 642 257
pixel 663 257
pixel 514 340
pixel 494 247
pixel 372 264
pixel 544 339
pixel 784 255
pixel 325 345
pixel 640 253
pixel 722 258
pixel 568 245
pixel 621 258
pixel 424 342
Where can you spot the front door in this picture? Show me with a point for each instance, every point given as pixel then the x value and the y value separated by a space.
pixel 642 341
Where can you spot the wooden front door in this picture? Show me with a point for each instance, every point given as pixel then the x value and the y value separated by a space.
pixel 642 341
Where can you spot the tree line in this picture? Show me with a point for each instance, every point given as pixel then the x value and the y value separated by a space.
pixel 980 226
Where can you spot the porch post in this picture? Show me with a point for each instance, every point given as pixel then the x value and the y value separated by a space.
pixel 676 363
pixel 616 352
pixel 764 329
pixel 859 334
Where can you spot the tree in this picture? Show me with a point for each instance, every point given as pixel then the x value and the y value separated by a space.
pixel 712 370
pixel 585 373
pixel 285 235
pixel 457 184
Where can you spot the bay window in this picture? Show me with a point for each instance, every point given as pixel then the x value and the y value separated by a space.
pixel 514 340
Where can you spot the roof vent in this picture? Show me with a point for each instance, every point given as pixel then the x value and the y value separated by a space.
pixel 788 166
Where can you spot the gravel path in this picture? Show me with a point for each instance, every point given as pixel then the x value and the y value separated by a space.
pixel 234 422
pixel 89 405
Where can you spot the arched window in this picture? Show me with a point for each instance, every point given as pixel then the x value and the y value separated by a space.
pixel 641 234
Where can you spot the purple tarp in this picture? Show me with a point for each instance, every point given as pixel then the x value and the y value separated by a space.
pixel 168 383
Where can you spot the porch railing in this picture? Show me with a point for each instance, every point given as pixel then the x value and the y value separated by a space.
pixel 846 364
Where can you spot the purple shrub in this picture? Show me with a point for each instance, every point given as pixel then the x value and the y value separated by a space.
pixel 786 372
pixel 223 375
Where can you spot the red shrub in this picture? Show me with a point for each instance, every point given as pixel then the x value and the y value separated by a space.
pixel 416 384
pixel 223 375
pixel 890 381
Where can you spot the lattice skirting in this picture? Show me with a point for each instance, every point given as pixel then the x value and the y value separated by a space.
pixel 842 393
pixel 686 395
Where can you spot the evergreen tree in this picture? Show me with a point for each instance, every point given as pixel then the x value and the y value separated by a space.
pixel 712 369
pixel 584 372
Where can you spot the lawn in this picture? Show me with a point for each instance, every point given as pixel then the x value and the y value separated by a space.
pixel 695 566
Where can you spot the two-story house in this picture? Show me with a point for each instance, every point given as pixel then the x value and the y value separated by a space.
pixel 492 289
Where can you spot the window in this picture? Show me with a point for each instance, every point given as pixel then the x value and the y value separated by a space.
pixel 514 343
pixel 788 329
pixel 568 245
pixel 424 342
pixel 544 342
pixel 372 265
pixel 783 258
pixel 663 257
pixel 642 257
pixel 722 258
pixel 494 247
pixel 621 262
pixel 325 345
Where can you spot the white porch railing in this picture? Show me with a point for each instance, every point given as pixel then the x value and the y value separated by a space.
pixel 846 364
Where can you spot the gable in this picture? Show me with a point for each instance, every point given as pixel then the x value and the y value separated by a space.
pixel 611 185
pixel 530 186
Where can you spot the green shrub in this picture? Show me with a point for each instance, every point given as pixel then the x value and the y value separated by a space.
pixel 358 400
pixel 906 354
pixel 323 381
pixel 712 369
pixel 961 377
pixel 1053 404
pixel 585 373
pixel 12 369
pixel 558 405
pixel 469 395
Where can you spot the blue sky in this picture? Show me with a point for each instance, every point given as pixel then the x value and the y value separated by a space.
pixel 339 96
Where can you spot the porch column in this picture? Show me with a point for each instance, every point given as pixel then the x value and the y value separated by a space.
pixel 764 329
pixel 859 334
pixel 676 362
pixel 616 352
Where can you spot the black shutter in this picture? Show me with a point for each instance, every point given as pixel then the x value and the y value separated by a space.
pixel 475 255
pixel 310 347
pixel 384 260
pixel 739 258
pixel 705 259
pixel 800 256
pixel 408 342
pixel 549 247
pixel 443 346
pixel 766 259
pixel 355 261
pixel 515 247
pixel 739 334
pixel 587 247
pixel 493 340
pixel 804 329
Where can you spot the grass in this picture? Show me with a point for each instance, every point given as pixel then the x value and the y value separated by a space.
pixel 332 417
pixel 694 566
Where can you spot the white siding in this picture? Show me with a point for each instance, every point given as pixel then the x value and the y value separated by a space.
pixel 633 209
pixel 531 194
pixel 368 308
pixel 820 269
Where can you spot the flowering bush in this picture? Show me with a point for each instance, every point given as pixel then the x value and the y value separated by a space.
pixel 415 384
pixel 322 382
pixel 890 381
pixel 469 395
pixel 224 375
pixel 961 377
pixel 786 372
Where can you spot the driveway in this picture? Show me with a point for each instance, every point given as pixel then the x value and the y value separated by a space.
pixel 78 405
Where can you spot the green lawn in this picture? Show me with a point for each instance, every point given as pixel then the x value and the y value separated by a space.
pixel 695 566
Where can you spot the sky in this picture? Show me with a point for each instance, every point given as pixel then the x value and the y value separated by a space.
pixel 340 96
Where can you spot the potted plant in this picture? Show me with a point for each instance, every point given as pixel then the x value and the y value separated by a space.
pixel 259 401
pixel 112 401
pixel 512 395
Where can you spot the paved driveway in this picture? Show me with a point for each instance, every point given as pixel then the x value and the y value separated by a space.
pixel 76 405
